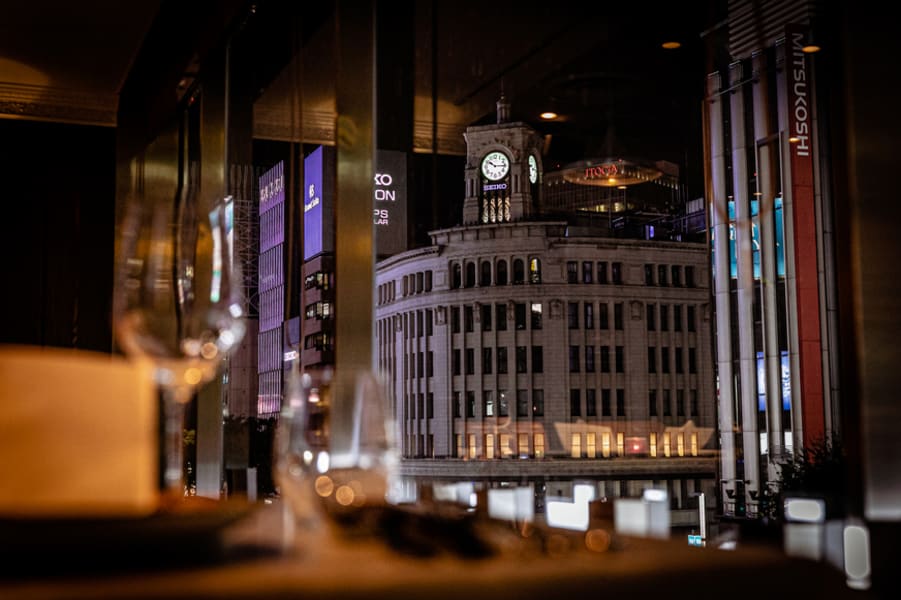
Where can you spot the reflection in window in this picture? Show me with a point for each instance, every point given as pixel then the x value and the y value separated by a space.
pixel 538 403
pixel 535 270
pixel 506 450
pixel 572 272
pixel 522 403
pixel 488 399
pixel 576 445
pixel 536 315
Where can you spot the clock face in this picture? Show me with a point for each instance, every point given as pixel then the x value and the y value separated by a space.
pixel 533 169
pixel 495 166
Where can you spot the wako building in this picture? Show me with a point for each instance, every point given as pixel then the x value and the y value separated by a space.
pixel 513 337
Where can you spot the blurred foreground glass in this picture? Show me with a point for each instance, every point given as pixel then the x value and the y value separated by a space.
pixel 335 455
pixel 178 304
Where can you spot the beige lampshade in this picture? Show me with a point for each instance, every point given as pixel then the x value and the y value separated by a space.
pixel 78 435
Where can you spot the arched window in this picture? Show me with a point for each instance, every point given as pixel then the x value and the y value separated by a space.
pixel 485 279
pixel 456 276
pixel 519 271
pixel 500 277
pixel 534 270
pixel 470 274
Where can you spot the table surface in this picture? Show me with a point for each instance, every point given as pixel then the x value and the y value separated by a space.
pixel 266 555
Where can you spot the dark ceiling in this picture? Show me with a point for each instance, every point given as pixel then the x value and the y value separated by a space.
pixel 600 67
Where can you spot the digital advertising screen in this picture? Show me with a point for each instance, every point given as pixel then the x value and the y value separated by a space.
pixel 312 204
pixel 389 202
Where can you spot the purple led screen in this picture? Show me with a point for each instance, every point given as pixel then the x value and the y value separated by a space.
pixel 312 204
pixel 272 207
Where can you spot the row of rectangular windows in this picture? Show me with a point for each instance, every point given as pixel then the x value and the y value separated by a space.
pixel 675 275
pixel 497 317
pixel 667 403
pixel 467 446
pixel 690 317
pixel 414 283
pixel 678 353
pixel 320 280
pixel 592 272
pixel 464 403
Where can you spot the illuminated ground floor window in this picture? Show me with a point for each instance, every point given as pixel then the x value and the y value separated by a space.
pixel 539 445
pixel 620 444
pixel 605 445
pixel 694 444
pixel 523 444
pixel 506 449
pixel 591 450
pixel 666 444
pixel 576 445
pixel 473 449
pixel 460 450
pixel 653 445
pixel 680 444
pixel 489 445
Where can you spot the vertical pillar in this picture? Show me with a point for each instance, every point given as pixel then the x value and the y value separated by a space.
pixel 768 178
pixel 354 248
pixel 747 360
pixel 719 216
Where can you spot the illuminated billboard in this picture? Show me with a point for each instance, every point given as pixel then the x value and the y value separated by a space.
pixel 784 377
pixel 779 225
pixel 312 204
pixel 389 202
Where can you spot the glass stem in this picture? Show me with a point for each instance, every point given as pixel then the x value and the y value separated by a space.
pixel 173 445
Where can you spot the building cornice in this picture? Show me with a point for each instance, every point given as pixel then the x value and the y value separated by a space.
pixel 61 105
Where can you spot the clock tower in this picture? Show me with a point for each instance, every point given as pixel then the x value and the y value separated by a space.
pixel 503 171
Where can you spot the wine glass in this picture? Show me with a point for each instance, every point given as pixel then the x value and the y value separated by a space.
pixel 334 455
pixel 179 304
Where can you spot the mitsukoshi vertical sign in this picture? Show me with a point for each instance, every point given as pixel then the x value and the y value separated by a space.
pixel 800 132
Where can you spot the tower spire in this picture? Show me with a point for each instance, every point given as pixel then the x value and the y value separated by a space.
pixel 503 107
